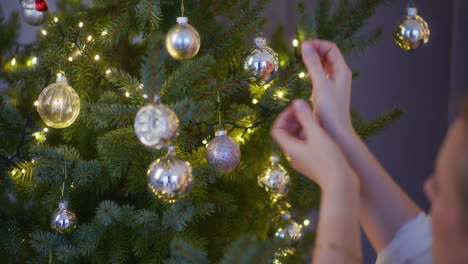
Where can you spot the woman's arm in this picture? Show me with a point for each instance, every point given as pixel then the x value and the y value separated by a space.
pixel 384 207
pixel 313 153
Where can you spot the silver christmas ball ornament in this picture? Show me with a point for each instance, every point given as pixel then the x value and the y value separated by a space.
pixel 58 104
pixel 275 179
pixel 169 177
pixel 223 152
pixel 412 32
pixel 34 11
pixel 182 40
pixel 156 125
pixel 262 61
pixel 63 220
pixel 291 231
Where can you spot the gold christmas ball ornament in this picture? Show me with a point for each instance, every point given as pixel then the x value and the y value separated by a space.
pixel 156 125
pixel 275 179
pixel 262 61
pixel 58 104
pixel 169 177
pixel 223 153
pixel 182 40
pixel 34 12
pixel 291 231
pixel 63 220
pixel 412 32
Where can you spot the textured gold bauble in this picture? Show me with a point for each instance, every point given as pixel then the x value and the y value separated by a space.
pixel 182 40
pixel 412 32
pixel 274 179
pixel 58 104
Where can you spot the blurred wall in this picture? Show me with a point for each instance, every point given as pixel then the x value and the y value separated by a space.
pixel 427 83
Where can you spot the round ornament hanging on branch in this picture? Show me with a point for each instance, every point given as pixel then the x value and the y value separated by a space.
pixel 291 230
pixel 183 41
pixel 223 152
pixel 169 177
pixel 275 179
pixel 262 61
pixel 63 220
pixel 412 32
pixel 58 104
pixel 34 11
pixel 156 125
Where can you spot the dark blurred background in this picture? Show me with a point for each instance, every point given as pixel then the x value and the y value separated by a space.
pixel 428 83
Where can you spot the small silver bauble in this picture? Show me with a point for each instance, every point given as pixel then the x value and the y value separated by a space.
pixel 58 104
pixel 63 220
pixel 156 125
pixel 182 40
pixel 169 177
pixel 34 12
pixel 291 231
pixel 262 61
pixel 275 178
pixel 412 32
pixel 223 152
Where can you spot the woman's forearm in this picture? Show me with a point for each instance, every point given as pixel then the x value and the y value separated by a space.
pixel 338 236
pixel 384 206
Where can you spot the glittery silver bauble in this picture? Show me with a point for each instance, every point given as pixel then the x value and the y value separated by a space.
pixel 262 61
pixel 156 125
pixel 223 152
pixel 169 177
pixel 63 220
pixel 58 104
pixel 34 11
pixel 182 40
pixel 291 231
pixel 412 32
pixel 275 178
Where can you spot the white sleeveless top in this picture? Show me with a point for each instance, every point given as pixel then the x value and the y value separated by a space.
pixel 411 244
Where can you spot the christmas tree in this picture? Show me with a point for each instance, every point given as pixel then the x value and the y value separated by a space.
pixel 114 56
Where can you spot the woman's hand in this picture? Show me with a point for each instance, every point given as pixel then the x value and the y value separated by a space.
pixel 331 79
pixel 311 151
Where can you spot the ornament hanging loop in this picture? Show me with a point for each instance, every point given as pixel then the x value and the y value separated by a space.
pixel 182 8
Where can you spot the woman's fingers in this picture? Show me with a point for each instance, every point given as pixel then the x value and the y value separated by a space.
pixel 331 55
pixel 313 64
pixel 305 117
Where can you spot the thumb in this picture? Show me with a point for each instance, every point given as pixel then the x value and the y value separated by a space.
pixel 313 63
pixel 305 116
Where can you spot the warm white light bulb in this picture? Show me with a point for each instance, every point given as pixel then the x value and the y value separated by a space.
pixel 34 60
pixel 96 57
pixel 108 72
pixel 104 33
pixel 90 38
pixel 254 101
pixel 44 32
pixel 55 19
pixel 301 75
pixel 306 222
pixel 295 42
pixel 80 24
pixel 13 62
pixel 46 129
pixel 127 94
pixel 70 58
pixel 280 94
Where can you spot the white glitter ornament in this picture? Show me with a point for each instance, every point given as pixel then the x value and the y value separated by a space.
pixel 156 125
pixel 63 220
pixel 169 177
pixel 223 152
pixel 262 61
pixel 275 179
pixel 58 104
